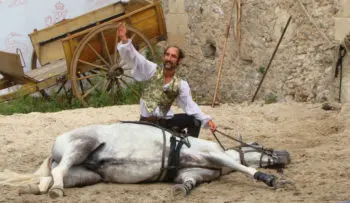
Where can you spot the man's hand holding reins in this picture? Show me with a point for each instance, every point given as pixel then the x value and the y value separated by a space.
pixel 212 126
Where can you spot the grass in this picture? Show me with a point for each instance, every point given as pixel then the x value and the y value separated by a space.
pixel 270 98
pixel 261 69
pixel 57 103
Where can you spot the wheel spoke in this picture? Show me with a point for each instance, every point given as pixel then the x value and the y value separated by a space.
pixel 126 84
pixel 106 84
pixel 87 77
pixel 62 87
pixel 93 65
pixel 118 86
pixel 97 54
pixel 92 89
pixel 115 46
pixel 133 36
pixel 90 82
pixel 104 42
pixel 116 58
pixel 96 46
pixel 81 86
pixel 98 72
pixel 111 87
pixel 127 68
pixel 128 76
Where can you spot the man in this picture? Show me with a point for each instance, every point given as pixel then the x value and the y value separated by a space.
pixel 162 88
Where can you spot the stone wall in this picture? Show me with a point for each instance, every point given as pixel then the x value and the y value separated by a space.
pixel 302 70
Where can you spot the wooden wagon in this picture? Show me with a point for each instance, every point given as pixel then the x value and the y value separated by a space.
pixel 83 51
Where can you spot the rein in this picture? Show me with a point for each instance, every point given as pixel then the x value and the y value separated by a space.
pixel 243 144
pixel 262 150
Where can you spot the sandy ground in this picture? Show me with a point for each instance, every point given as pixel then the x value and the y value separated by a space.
pixel 317 140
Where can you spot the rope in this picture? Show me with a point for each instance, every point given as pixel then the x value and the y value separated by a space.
pixel 244 144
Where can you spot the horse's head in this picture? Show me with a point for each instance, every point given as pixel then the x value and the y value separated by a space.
pixel 254 155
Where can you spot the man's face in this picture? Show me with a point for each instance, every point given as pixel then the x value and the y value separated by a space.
pixel 171 58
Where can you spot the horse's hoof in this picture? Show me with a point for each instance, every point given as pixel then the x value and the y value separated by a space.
pixel 29 189
pixel 281 183
pixel 268 179
pixel 180 189
pixel 56 192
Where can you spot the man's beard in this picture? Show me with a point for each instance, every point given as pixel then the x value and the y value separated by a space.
pixel 169 65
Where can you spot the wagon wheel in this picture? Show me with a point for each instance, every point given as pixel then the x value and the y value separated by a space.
pixel 95 66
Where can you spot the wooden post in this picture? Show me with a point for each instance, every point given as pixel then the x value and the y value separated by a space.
pixel 272 57
pixel 223 53
pixel 238 24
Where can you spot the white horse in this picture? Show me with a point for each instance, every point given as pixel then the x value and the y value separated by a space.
pixel 139 153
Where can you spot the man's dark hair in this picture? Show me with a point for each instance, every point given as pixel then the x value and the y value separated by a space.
pixel 181 53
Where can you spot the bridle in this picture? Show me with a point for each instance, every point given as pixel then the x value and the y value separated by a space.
pixel 264 151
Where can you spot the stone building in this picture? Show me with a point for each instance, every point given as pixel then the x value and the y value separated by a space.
pixel 303 68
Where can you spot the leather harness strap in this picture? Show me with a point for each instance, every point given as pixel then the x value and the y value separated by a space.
pixel 173 159
pixel 151 119
pixel 169 173
pixel 162 169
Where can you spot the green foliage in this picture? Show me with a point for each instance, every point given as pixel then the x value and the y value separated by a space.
pixel 270 98
pixel 261 69
pixel 29 104
pixel 56 103
pixel 157 52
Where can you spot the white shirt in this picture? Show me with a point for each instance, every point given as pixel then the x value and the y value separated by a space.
pixel 142 70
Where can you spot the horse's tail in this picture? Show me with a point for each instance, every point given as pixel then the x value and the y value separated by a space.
pixel 11 178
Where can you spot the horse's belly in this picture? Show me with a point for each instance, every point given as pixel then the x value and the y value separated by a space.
pixel 132 172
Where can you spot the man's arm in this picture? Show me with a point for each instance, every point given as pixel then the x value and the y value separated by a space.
pixel 190 107
pixel 142 69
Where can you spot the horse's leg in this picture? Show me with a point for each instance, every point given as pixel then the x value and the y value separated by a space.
pixel 78 176
pixel 224 159
pixel 189 178
pixel 45 183
pixel 76 152
pixel 45 180
pixel 37 189
pixel 213 152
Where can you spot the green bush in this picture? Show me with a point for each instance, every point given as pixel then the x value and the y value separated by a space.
pixel 261 69
pixel 61 102
pixel 270 98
